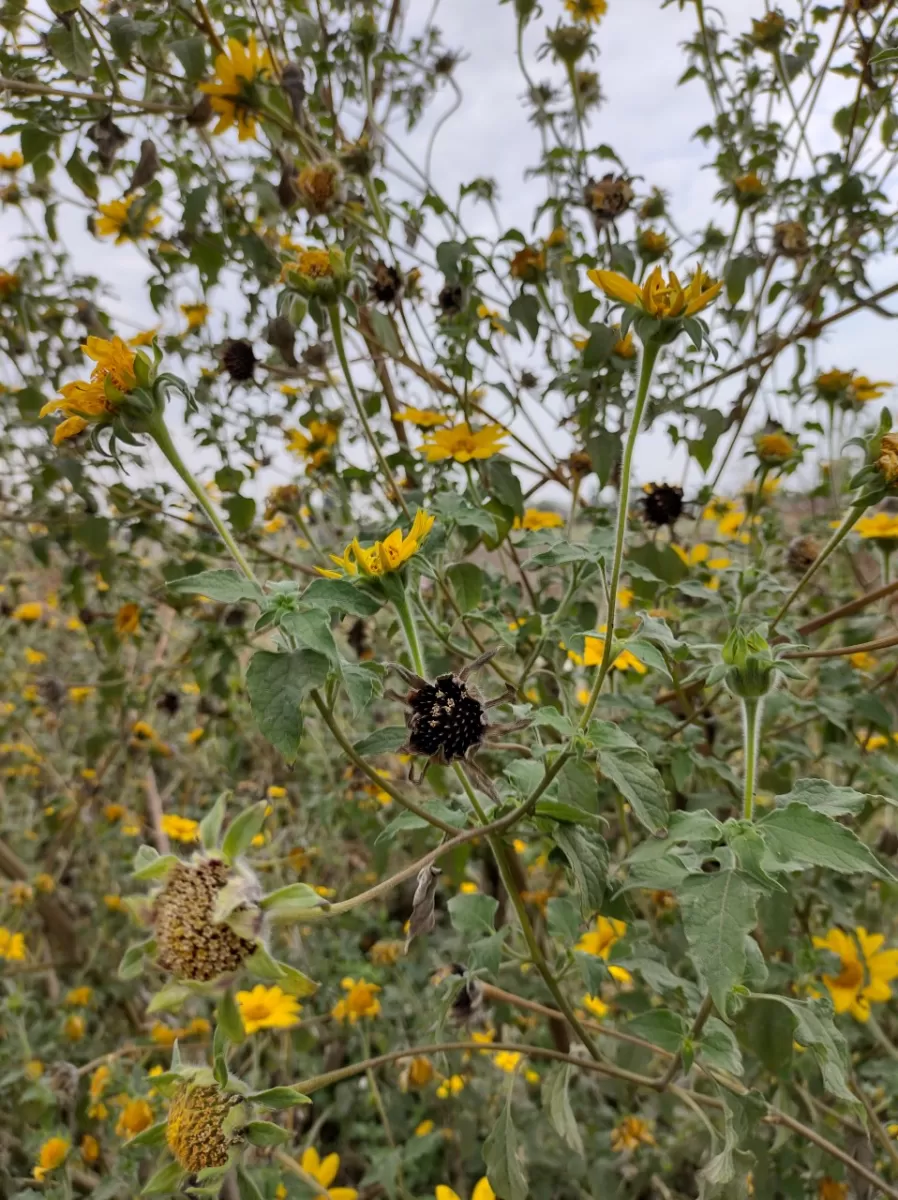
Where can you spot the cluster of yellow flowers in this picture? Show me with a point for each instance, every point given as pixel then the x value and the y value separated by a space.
pixel 383 557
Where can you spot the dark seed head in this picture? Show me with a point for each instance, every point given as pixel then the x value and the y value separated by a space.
pixel 802 553
pixel 451 299
pixel 662 504
pixel 239 359
pixel 444 719
pixel 169 702
pixel 386 283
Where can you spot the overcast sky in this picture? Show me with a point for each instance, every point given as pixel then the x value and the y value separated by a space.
pixel 646 117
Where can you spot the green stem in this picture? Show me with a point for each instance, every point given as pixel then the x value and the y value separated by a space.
pixel 649 356
pixel 850 519
pixel 339 346
pixel 752 711
pixel 158 430
pixel 407 621
pixel 536 954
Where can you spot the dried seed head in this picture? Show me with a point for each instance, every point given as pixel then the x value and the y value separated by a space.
pixel 281 334
pixel 386 283
pixel 451 299
pixel 195 1130
pixel 169 702
pixel 469 999
pixel 238 359
pixel 191 944
pixel 62 1079
pixel 662 504
pixel 444 719
pixel 608 197
pixel 887 461
pixel 802 553
pixel 790 238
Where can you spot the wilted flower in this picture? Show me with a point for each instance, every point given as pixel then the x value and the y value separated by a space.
pixel 662 504
pixel 239 359
pixel 127 620
pixel 887 460
pixel 768 31
pixel 790 238
pixel 630 1134
pixel 386 283
pixel 319 187
pixel 608 197
pixel 802 553
pixel 196 1126
pixel 528 265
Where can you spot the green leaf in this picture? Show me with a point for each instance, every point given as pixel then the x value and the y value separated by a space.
pixel 312 630
pixel 505 485
pixel 278 1098
pixel 816 1031
pixel 385 332
pixel 588 856
pixel 156 867
pixel 210 826
pixel 132 960
pixel 823 796
pixel 227 587
pixel 737 274
pixel 154 1136
pixel 467 584
pixel 265 1133
pixel 661 1027
pixel 719 911
pixel 473 915
pixel 564 920
pixel 166 1180
pixel 82 176
pixel 228 1019
pixel 361 684
pixel 382 741
pixel 718 1047
pixel 241 510
pixel 277 684
pixel 801 837
pixel 629 768
pixel 557 1104
pixel 503 1158
pixel 191 54
pixel 291 901
pixel 71 47
pixel 242 830
pixel 246 1186
pixel 169 998
pixel 339 595
pixel 725 1176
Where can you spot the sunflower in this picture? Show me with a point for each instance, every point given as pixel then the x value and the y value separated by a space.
pixel 630 1134
pixel 267 1008
pixel 539 518
pixel 463 443
pixel 662 298
pixel 865 974
pixel 423 418
pixel 360 1001
pixel 590 11
pixel 383 557
pixel 324 1172
pixel 237 72
pixel 314 446
pixel 116 219
pixel 87 402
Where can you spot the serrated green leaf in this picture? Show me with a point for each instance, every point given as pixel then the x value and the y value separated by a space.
pixel 339 595
pixel 800 837
pixel 473 915
pixel 277 684
pixel 816 1031
pixel 71 47
pixel 719 911
pixel 823 796
pixel 382 741
pixel 226 587
pixel 588 856
pixel 629 768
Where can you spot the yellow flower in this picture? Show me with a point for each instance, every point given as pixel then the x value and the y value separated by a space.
pixel 74 1027
pixel 33 1069
pixel 880 525
pixel 361 1001
pixel 424 1128
pixel 528 264
pixel 624 597
pixel 774 449
pixel 114 812
pixel 593 650
pixel 182 829
pixel 79 997
pixel 143 730
pixel 231 92
pixel 630 1133
pixel 383 557
pixel 52 1154
pixel 599 941
pixel 314 446
pixel 78 695
pixel 596 1006
pixel 462 443
pixel 424 418
pixel 864 389
pixel 416 1074
pixel 136 1116
pixel 34 657
pixel 12 161
pixel 749 188
pixel 90 1149
pixel 866 970
pixel 145 338
pixel 324 1172
pixel 887 460
pixel 539 518
pixel 12 945
pixel 468 888
pixel 196 315
pixel 490 314
pixel 117 219
pixel 863 660
pixel 86 401
pixel 113 902
pixel 700 555
pixel 831 1189
pixel 127 620
pixel 831 384
pixel 507 1060
pixel 451 1087
pixel 664 299
pixel 624 347
pixel 386 953
pixel 28 612
pixel 589 11
pixel 483 1189
pixel 195 735
pixel 267 1008
pixel 99 1081
pixel 652 244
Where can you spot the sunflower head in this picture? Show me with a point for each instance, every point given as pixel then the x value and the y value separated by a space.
pixel 790 239
pixel 608 197
pixel 768 31
pixel 528 265
pixel 662 504
pixel 317 272
pixel 568 42
pixel 386 283
pixel 319 187
pixel 774 448
pixel 239 359
pixel 196 941
pixel 197 1127
pixel 802 553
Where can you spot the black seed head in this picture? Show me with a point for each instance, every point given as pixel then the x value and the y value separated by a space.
pixel 451 299
pixel 662 504
pixel 444 719
pixel 239 359
pixel 386 283
pixel 169 702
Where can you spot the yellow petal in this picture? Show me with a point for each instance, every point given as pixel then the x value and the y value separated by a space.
pixel 618 287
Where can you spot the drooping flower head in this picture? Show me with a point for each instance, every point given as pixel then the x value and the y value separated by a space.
pixel 231 91
pixel 590 11
pixel 93 401
pixel 196 1126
